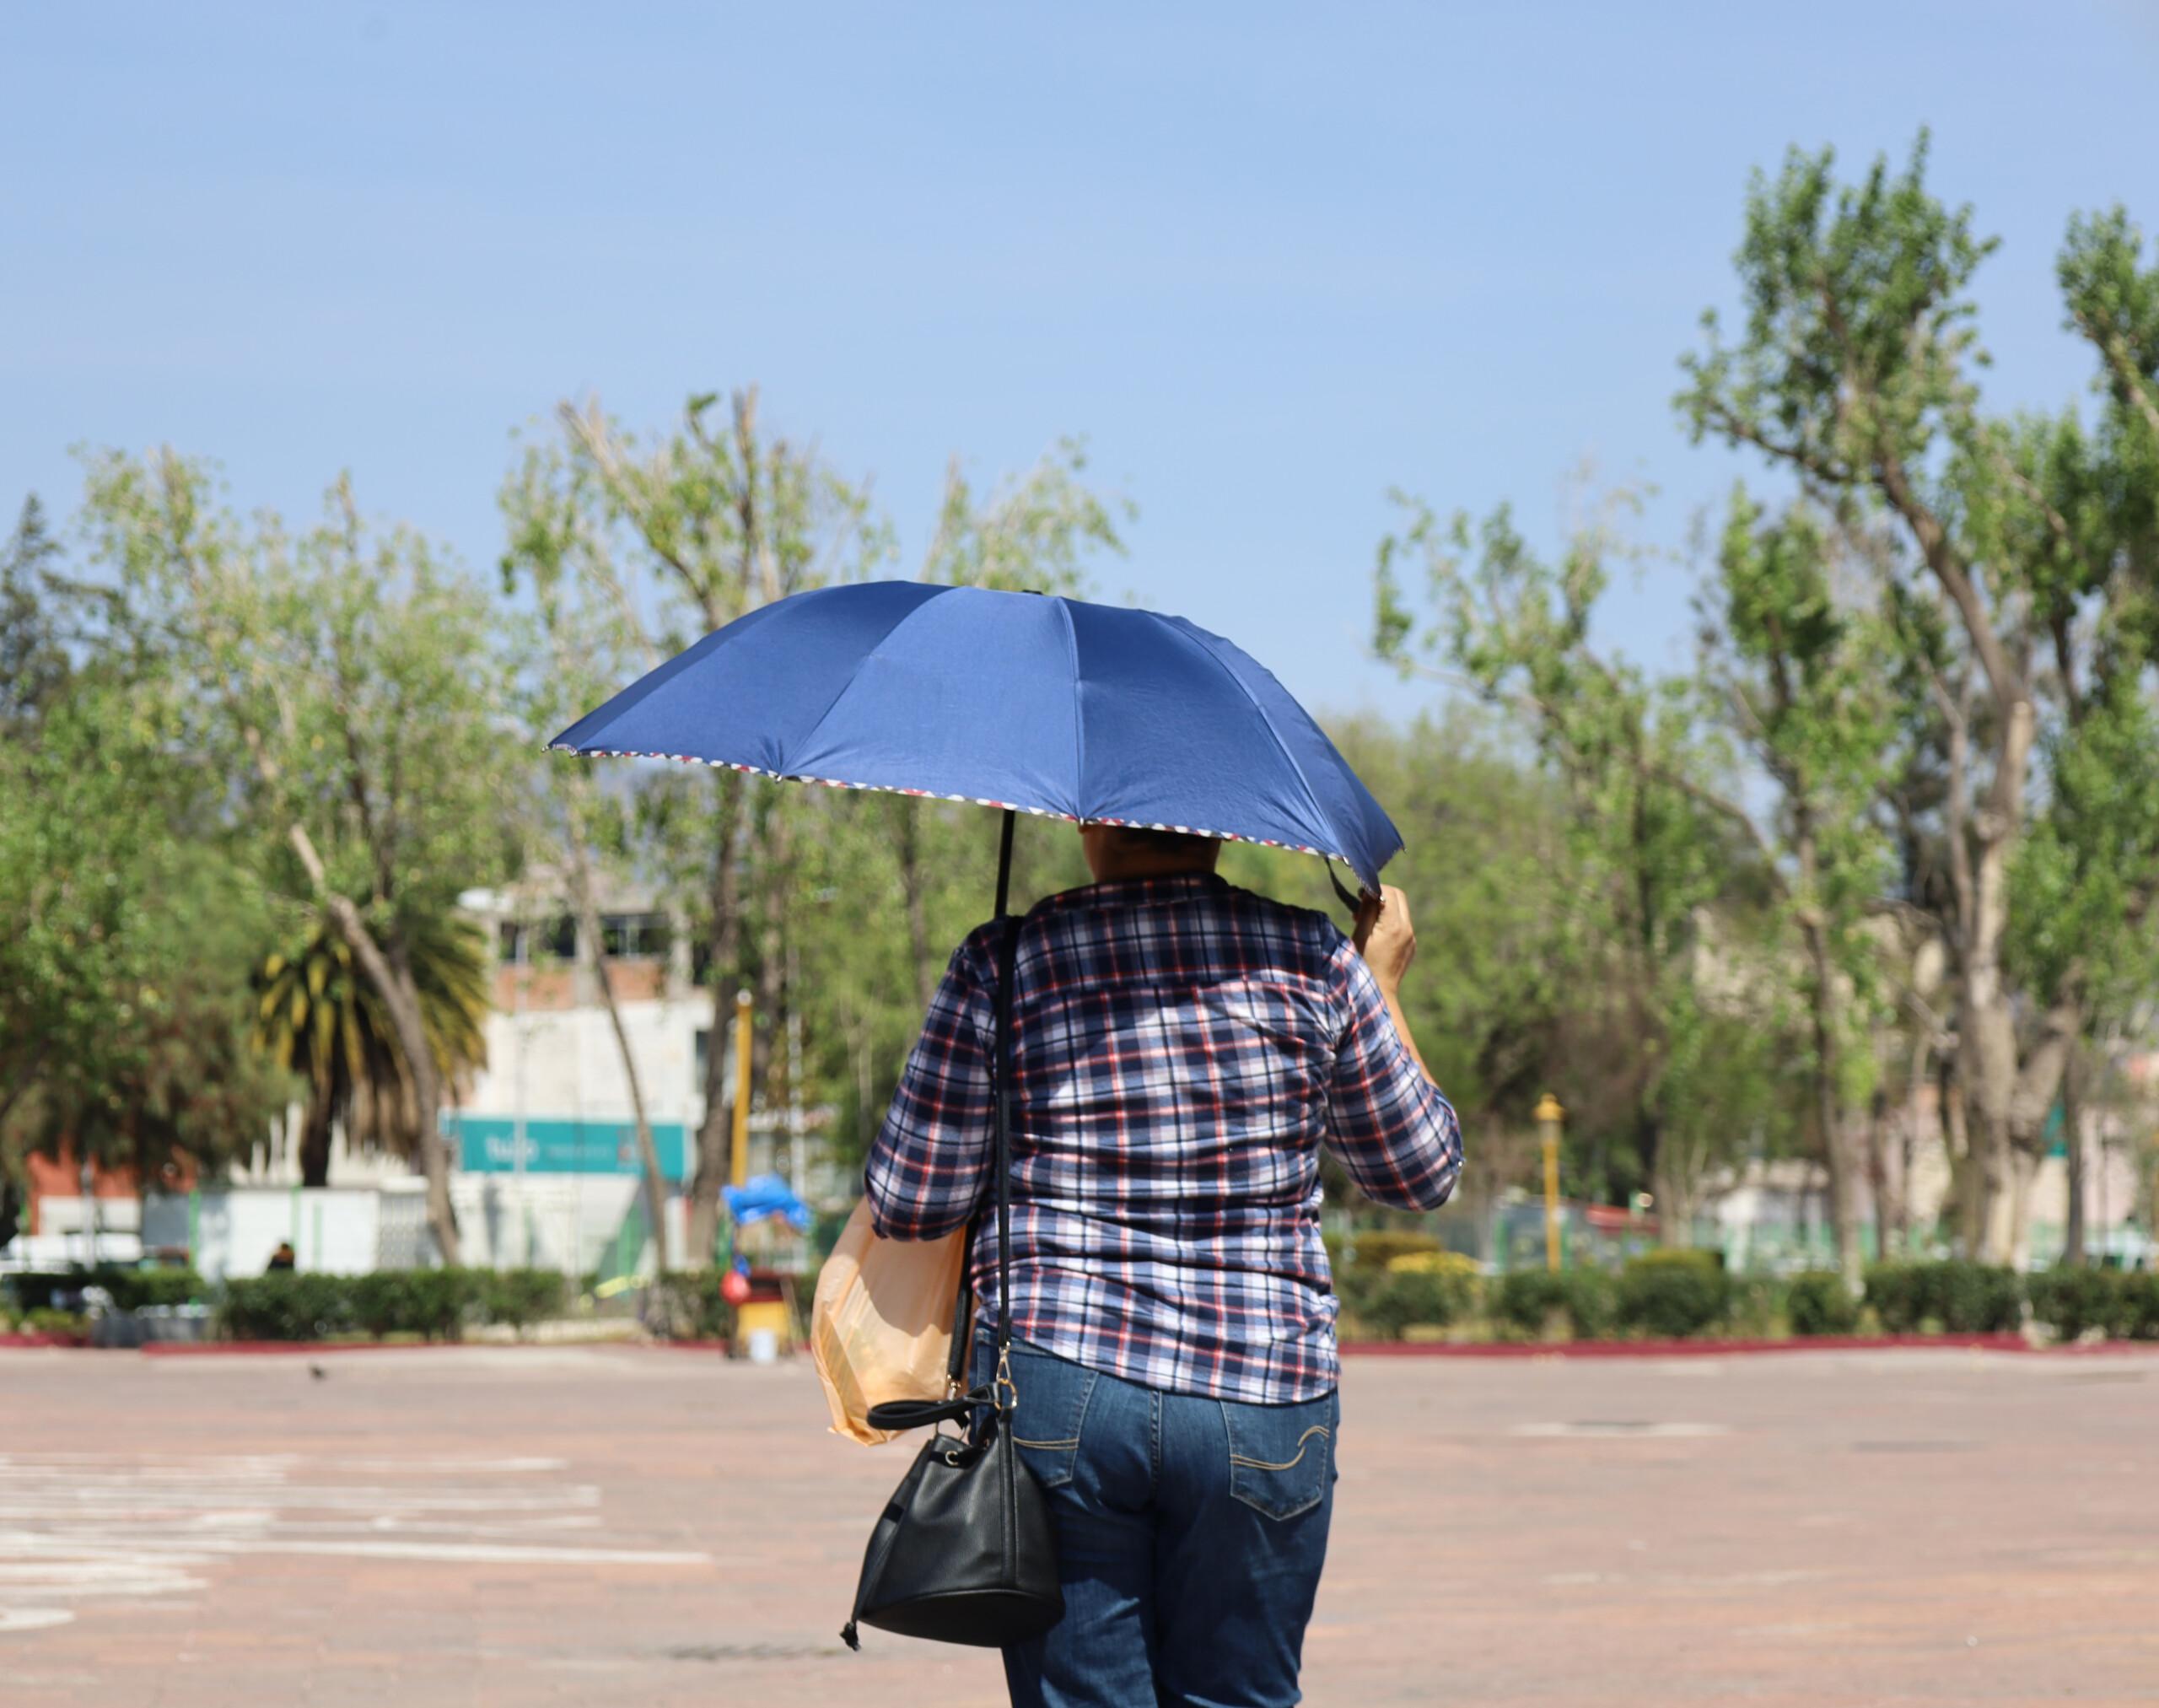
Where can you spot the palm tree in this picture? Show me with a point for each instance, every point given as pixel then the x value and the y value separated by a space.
pixel 318 1017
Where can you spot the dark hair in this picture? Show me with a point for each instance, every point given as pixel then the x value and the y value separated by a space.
pixel 1163 842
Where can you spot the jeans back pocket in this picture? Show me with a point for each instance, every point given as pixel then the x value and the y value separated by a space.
pixel 1049 1413
pixel 1282 1457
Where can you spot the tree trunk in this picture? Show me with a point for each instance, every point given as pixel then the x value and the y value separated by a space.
pixel 859 1044
pixel 2037 1087
pixel 775 874
pixel 1675 1199
pixel 2072 1128
pixel 908 841
pixel 402 999
pixel 723 940
pixel 1987 1064
pixel 315 1143
pixel 1877 1168
pixel 1828 1110
pixel 394 984
pixel 2023 1171
pixel 1908 1144
pixel 588 927
pixel 427 1097
pixel 1970 1203
pixel 1988 1024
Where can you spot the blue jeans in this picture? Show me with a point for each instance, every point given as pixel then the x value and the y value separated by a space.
pixel 1190 1536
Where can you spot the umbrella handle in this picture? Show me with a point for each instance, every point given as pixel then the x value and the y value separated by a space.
pixel 1341 889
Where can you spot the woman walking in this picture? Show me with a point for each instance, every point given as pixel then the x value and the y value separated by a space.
pixel 1181 1051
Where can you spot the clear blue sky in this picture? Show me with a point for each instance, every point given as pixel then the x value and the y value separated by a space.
pixel 1269 259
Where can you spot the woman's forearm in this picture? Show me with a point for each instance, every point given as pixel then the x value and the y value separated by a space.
pixel 1400 1017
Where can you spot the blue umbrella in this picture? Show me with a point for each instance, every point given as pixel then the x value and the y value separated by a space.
pixel 1050 706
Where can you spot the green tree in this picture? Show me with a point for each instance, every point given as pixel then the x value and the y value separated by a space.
pixel 347 682
pixel 318 1018
pixel 1799 676
pixel 2083 885
pixel 1854 375
pixel 793 893
pixel 122 944
pixel 677 536
pixel 1652 841
pixel 591 644
pixel 181 1084
pixel 34 662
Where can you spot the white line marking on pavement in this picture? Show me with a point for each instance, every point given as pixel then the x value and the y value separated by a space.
pixel 1628 1431
pixel 142 1527
pixel 361 1547
pixel 32 1619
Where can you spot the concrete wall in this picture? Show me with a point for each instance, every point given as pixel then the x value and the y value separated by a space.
pixel 555 1222
pixel 565 1222
pixel 564 1064
pixel 338 1230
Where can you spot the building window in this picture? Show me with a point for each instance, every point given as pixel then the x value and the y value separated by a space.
pixel 700 1057
pixel 557 939
pixel 644 936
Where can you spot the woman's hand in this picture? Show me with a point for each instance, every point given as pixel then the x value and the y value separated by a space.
pixel 1384 935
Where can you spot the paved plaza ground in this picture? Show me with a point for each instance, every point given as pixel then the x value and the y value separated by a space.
pixel 644 1527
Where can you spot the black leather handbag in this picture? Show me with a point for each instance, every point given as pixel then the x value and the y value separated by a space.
pixel 964 1551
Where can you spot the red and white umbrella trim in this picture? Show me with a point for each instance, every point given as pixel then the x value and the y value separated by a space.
pixel 963 800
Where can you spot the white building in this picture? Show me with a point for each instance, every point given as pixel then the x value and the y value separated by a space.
pixel 544 1139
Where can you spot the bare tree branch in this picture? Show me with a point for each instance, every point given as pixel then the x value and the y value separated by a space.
pixel 589 429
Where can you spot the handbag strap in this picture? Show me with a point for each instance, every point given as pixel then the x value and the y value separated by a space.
pixel 963 1299
pixel 1001 1128
pixel 913 1414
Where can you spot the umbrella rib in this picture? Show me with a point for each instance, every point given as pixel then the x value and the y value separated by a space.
pixel 1193 635
pixel 854 675
pixel 1079 715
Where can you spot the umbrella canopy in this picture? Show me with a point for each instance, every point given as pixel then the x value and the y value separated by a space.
pixel 1050 706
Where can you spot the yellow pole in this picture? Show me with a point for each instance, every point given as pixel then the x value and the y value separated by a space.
pixel 1548 1116
pixel 739 1171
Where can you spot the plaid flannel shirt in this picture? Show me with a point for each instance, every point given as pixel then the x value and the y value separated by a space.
pixel 1180 1050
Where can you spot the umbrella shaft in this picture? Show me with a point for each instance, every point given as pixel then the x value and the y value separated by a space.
pixel 1005 863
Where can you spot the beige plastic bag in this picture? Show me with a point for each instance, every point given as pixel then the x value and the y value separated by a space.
pixel 880 1327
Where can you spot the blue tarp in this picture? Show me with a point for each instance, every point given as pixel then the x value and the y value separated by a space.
pixel 765 1196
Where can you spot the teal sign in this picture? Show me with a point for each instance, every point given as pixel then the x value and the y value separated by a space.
pixel 489 1144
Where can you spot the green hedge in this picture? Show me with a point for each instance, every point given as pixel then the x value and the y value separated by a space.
pixel 1390 1303
pixel 1953 1297
pixel 1661 1294
pixel 434 1304
pixel 1670 1295
pixel 1532 1304
pixel 431 1303
pixel 518 1298
pixel 289 1305
pixel 2122 1305
pixel 2140 1304
pixel 131 1289
pixel 1819 1303
pixel 2072 1302
pixel 1375 1248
